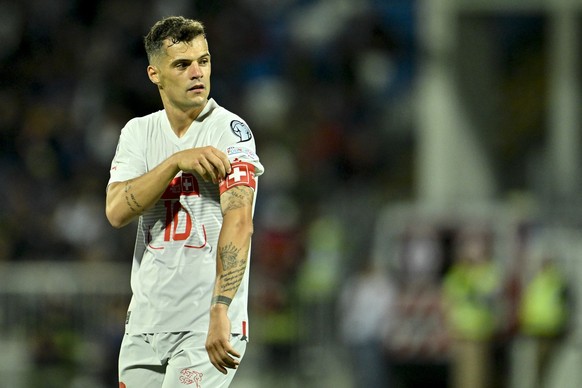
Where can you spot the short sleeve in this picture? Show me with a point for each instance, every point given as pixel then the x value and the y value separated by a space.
pixel 128 161
pixel 239 145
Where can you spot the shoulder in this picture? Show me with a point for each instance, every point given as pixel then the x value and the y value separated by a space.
pixel 215 111
pixel 229 122
pixel 145 121
pixel 137 126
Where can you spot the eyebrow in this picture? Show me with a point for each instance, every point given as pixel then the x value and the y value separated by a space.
pixel 181 59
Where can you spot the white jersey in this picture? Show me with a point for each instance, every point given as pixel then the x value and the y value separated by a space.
pixel 174 262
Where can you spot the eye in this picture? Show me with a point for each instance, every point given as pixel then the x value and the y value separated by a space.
pixel 181 65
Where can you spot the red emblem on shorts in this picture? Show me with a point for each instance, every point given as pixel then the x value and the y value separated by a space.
pixel 189 377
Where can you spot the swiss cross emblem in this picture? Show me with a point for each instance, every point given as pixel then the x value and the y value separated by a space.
pixel 241 174
pixel 187 183
pixel 238 174
pixel 190 377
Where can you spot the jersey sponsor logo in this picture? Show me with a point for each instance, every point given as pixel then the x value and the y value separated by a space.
pixel 190 377
pixel 242 174
pixel 186 184
pixel 241 130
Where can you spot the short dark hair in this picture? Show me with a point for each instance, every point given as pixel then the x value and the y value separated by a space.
pixel 176 28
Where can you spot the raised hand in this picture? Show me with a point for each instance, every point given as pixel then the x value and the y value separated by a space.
pixel 208 162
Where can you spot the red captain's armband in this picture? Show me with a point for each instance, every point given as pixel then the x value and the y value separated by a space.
pixel 241 174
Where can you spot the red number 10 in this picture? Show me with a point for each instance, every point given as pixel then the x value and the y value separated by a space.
pixel 172 219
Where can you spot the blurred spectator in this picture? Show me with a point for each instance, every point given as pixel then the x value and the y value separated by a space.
pixel 366 315
pixel 277 251
pixel 422 260
pixel 54 346
pixel 470 290
pixel 544 313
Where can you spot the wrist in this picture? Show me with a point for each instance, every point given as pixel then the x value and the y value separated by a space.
pixel 174 163
pixel 217 311
pixel 221 300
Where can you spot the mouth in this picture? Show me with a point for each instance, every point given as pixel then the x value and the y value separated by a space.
pixel 197 88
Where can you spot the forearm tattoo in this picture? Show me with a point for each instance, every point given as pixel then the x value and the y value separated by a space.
pixel 236 198
pixel 229 256
pixel 130 199
pixel 233 266
pixel 222 300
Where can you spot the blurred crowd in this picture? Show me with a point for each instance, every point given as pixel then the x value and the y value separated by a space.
pixel 327 88
pixel 323 84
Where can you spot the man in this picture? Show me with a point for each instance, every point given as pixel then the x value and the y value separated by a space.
pixel 366 307
pixel 188 173
pixel 543 316
pixel 471 290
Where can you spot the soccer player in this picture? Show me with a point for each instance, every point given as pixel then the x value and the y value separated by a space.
pixel 188 174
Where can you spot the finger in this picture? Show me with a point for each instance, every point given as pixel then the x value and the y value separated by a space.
pixel 220 162
pixel 215 359
pixel 220 356
pixel 227 361
pixel 200 170
pixel 205 176
pixel 220 368
pixel 226 162
pixel 209 171
pixel 230 362
pixel 233 352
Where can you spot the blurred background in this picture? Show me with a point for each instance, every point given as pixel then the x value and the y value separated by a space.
pixel 419 223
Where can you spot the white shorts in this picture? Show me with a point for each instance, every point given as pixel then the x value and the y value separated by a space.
pixel 171 360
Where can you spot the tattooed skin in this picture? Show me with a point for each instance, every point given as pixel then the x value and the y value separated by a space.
pixel 236 198
pixel 233 257
pixel 228 256
pixel 222 299
pixel 233 265
pixel 130 199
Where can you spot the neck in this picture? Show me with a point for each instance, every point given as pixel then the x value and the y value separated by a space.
pixel 180 120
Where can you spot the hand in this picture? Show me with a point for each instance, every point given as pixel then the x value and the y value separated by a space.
pixel 221 353
pixel 208 162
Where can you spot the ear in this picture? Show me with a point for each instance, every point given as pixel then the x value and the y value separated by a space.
pixel 153 74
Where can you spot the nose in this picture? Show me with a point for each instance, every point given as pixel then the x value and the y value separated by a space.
pixel 195 71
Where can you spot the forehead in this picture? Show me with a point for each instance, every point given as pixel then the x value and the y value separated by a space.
pixel 192 49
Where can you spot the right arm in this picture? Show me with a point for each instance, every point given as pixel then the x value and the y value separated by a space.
pixel 128 199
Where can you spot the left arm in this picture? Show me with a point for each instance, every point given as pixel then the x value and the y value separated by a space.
pixel 231 263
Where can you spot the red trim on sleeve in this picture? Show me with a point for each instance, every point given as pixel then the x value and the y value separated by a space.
pixel 241 174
